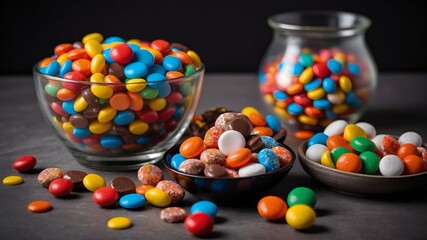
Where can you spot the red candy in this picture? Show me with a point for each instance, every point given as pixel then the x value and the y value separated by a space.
pixel 60 187
pixel 105 196
pixel 320 70
pixel 25 163
pixel 121 53
pixel 199 224
pixel 76 76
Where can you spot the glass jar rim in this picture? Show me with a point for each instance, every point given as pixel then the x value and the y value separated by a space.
pixel 198 72
pixel 344 21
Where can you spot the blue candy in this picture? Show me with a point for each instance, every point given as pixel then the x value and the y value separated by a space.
pixel 280 95
pixel 156 80
pixel 143 140
pixel 268 159
pixel 81 132
pixel 178 113
pixel 124 117
pixel 114 39
pixel 322 104
pixel 176 160
pixel 294 109
pixel 273 122
pixel 171 63
pixel 353 69
pixel 107 56
pixel 53 68
pixel 205 206
pixel 165 90
pixel 156 68
pixel 132 201
pixel 269 142
pixel 111 141
pixel 334 66
pixel 68 107
pixel 135 70
pixel 143 55
pixel 134 47
pixel 261 78
pixel 65 68
pixel 297 69
pixel 352 100
pixel 318 138
pixel 313 84
pixel 330 115
pixel 329 85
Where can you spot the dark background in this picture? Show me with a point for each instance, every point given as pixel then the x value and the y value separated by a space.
pixel 229 36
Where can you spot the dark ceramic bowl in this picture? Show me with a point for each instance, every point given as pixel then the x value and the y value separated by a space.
pixel 227 189
pixel 359 184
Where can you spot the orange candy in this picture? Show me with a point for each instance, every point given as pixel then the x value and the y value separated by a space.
pixel 263 131
pixel 39 206
pixel 120 101
pixel 406 150
pixel 304 134
pixel 63 48
pixel 313 112
pixel 141 189
pixel 349 162
pixel 239 158
pixel 257 119
pixel 82 66
pixel 338 141
pixel 65 94
pixel 413 164
pixel 77 53
pixel 45 62
pixel 174 74
pixel 192 147
pixel 294 88
pixel 136 101
pixel 272 208
pixel 183 56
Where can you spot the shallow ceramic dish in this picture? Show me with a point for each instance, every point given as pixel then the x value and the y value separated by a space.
pixel 226 189
pixel 359 184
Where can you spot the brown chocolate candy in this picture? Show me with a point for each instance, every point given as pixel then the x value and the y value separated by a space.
pixel 117 70
pixel 89 96
pixel 92 110
pixel 78 121
pixel 214 170
pixel 76 177
pixel 123 185
pixel 234 121
pixel 254 143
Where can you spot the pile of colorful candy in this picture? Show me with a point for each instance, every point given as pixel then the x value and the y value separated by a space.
pixel 112 95
pixel 357 148
pixel 300 214
pixel 239 144
pixel 311 89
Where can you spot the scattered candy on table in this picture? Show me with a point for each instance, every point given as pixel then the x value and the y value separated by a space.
pixel 357 148
pixel 60 187
pixel 173 214
pixel 13 180
pixel 39 206
pixel 119 223
pixel 199 224
pixel 25 163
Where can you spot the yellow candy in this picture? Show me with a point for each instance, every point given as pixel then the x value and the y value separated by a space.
pixel 136 84
pixel 283 113
pixel 93 181
pixel 345 83
pixel 95 36
pixel 336 98
pixel 110 45
pixel 351 131
pixel 99 128
pixel 195 59
pixel 315 94
pixel 138 127
pixel 106 114
pixel 326 159
pixel 97 78
pixel 97 64
pixel 307 120
pixel 12 180
pixel 68 127
pixel 269 98
pixel 340 108
pixel 135 41
pixel 340 57
pixel 158 56
pixel 119 223
pixel 248 110
pixel 56 121
pixel 306 75
pixel 101 91
pixel 80 104
pixel 62 58
pixel 157 104
pixel 93 48
pixel 300 216
pixel 158 197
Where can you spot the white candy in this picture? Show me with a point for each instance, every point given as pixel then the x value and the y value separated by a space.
pixel 368 128
pixel 315 151
pixel 335 128
pixel 411 137
pixel 231 141
pixel 378 139
pixel 251 169
pixel 391 165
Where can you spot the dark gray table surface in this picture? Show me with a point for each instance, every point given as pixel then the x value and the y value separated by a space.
pixel 399 106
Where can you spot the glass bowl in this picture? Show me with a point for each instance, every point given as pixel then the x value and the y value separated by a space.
pixel 317 69
pixel 139 129
pixel 226 190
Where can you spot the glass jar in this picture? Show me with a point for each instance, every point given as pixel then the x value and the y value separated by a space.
pixel 317 69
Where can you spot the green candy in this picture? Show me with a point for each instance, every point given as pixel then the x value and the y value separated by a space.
pixel 189 69
pixel 149 93
pixel 362 144
pixel 52 89
pixel 185 88
pixel 301 195
pixel 370 162
pixel 337 152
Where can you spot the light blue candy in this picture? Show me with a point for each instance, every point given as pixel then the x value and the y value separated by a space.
pixel 318 138
pixel 143 140
pixel 297 69
pixel 42 70
pixel 268 159
pixel 204 206
pixel 269 142
pixel 124 117
pixel 65 68
pixel 171 63
pixel 273 122
pixel 261 78
pixel 281 66
pixel 294 109
pixel 334 66
pixel 81 132
pixel 322 104
pixel 353 69
pixel 165 90
pixel 107 56
pixel 135 70
pixel 306 60
pixel 176 160
pixel 313 84
pixel 280 95
pixel 145 56
pixel 68 107
pixel 111 141
pixel 156 80
pixel 53 68
pixel 132 201
pixel 114 39
pixel 352 100
pixel 329 85
pixel 156 68
pixel 134 47
pixel 330 115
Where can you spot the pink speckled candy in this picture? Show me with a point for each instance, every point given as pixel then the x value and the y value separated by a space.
pixel 285 157
pixel 150 174
pixel 213 155
pixel 46 176
pixel 212 136
pixel 174 190
pixel 191 166
pixel 173 214
pixel 231 173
